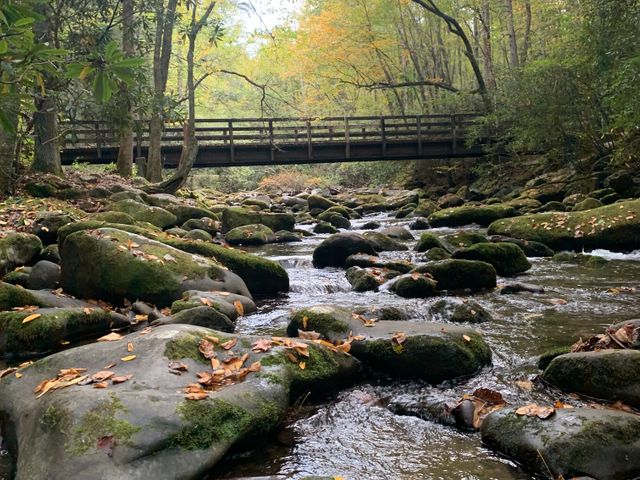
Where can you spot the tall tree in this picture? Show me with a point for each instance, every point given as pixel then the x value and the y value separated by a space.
pixel 125 151
pixel 514 61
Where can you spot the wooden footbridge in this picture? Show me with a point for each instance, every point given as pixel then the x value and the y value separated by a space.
pixel 281 141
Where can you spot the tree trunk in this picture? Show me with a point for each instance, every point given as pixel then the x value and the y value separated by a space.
pixel 487 50
pixel 125 152
pixel 511 33
pixel 154 159
pixel 527 33
pixel 8 142
pixel 45 128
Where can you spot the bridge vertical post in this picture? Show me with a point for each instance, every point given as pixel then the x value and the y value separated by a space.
pixel 271 142
pixel 232 150
pixel 419 133
pixel 454 135
pixel 309 144
pixel 138 127
pixel 383 137
pixel 347 139
pixel 98 140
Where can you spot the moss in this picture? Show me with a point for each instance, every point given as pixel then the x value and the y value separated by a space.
pixel 455 274
pixel 428 241
pixel 56 419
pixel 324 320
pixel 457 240
pixel 262 276
pixel 436 253
pixel 98 422
pixel 589 261
pixel 480 214
pixel 507 258
pixel 138 211
pixel 113 217
pixel 185 346
pixel 71 228
pixel 180 305
pixel 12 296
pixel 546 357
pixel 236 217
pixel 249 235
pixel 414 286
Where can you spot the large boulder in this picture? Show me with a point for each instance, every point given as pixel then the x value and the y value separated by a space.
pixel 12 296
pixel 230 304
pixel 414 285
pixel 52 327
pixel 479 214
pixel 184 213
pixel 529 247
pixel 363 279
pixel 456 274
pixel 427 351
pixel 17 249
pixel 146 426
pixel 608 374
pixel 250 235
pixel 459 311
pixel 571 443
pixel 237 217
pixel 114 265
pixel 507 258
pixel 44 274
pixel 428 241
pixel 384 243
pixel 318 201
pixel 614 227
pixel 366 261
pixel 334 251
pixel 154 215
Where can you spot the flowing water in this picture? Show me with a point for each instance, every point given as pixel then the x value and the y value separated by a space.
pixel 359 434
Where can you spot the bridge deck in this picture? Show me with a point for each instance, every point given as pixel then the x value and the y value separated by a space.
pixel 273 141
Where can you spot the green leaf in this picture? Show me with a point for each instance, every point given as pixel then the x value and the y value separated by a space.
pixel 74 70
pixel 4 47
pixel 53 52
pixel 123 73
pixel 110 50
pixel 6 124
pixel 101 89
pixel 23 22
pixel 130 62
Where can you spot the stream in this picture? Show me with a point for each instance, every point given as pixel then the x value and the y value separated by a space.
pixel 355 434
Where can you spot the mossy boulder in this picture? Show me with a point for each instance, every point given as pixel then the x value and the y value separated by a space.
pixel 114 265
pixel 529 247
pixel 425 208
pixel 571 443
pixel 586 204
pixel 113 217
pixel 456 274
pixel 333 251
pixel 200 316
pixel 324 227
pixel 546 357
pixel 237 217
pixel 479 214
pixel 384 243
pixel 197 234
pixel 426 351
pixel 450 200
pixel 614 227
pixel 459 311
pixel 362 279
pixel 428 241
pixel 582 259
pixel 285 236
pixel 138 211
pixel 52 328
pixel 318 201
pixel 17 249
pixel 44 275
pixel 12 296
pixel 207 224
pixel 46 226
pixel 67 230
pixel 157 432
pixel 336 219
pixel 250 235
pixel 230 304
pixel 261 275
pixel 607 374
pixel 184 213
pixel 366 261
pixel 402 200
pixel 397 233
pixel 414 285
pixel 436 253
pixel 507 258
pixel 462 239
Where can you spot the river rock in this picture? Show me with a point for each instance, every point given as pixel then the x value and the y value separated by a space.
pixel 53 326
pixel 529 247
pixel 17 249
pixel 428 241
pixel 46 226
pixel 427 351
pixel 333 251
pixel 250 235
pixel 366 261
pixel 479 214
pixel 51 253
pixel 414 285
pixel 12 296
pixel 507 258
pixel 402 200
pixel 237 217
pixel 614 227
pixel 384 243
pixel 371 225
pixel 324 227
pixel 336 219
pixel 518 287
pixel 44 275
pixel 114 265
pixel 587 204
pixel 195 234
pixel 185 213
pixel 209 225
pixel 459 311
pixel 456 274
pixel 603 444
pixel 225 302
pixel 450 200
pixel 419 223
pixel 436 253
pixel 397 233
pixel 145 427
pixel 155 215
pixel 318 201
pixel 462 239
pixel 362 279
pixel 201 316
pixel 607 374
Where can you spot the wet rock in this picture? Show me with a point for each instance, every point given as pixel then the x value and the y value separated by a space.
pixel 335 219
pixel 518 287
pixel 53 327
pixel 436 253
pixel 285 236
pixel 261 275
pixel 230 304
pixel 366 261
pixel 587 204
pixel 318 201
pixel 197 234
pixel 398 233
pixel 463 239
pixel 554 206
pixel 427 351
pixel 201 316
pixel 250 235
pixel 51 253
pixel 402 200
pixel 419 223
pixel 573 199
pixel 115 265
pixel 12 296
pixel 459 311
pixel 530 248
pixel 621 181
pixel 209 225
pixel 333 251
pixel 607 374
pixel 372 225
pixel 469 214
pixel 425 208
pixel 603 444
pixel 324 227
pixel 546 357
pixel 404 212
pixel 384 243
pixel 450 200
pixel 603 192
pixel 157 432
pixel 155 215
pixel 428 241
pixel 237 217
pixel 44 275
pixel 507 258
pixel 185 213
pixel 456 274
pixel 362 280
pixel 589 261
pixel 614 227
pixel 17 249
pixel 19 276
pixel 46 226
pixel 414 285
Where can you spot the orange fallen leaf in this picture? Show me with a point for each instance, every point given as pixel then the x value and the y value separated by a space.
pixel 129 347
pixel 261 345
pixel 30 318
pixel 239 307
pixel 111 337
pixel 100 385
pixel 120 379
pixel 302 365
pixel 18 375
pixel 102 375
pixel 466 337
pixel 229 344
pixel 533 410
pixel 128 358
pixel 524 384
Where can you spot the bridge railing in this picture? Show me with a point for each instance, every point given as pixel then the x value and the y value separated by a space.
pixel 279 132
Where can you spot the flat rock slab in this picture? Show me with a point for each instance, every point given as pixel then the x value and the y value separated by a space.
pixel 603 444
pixel 157 432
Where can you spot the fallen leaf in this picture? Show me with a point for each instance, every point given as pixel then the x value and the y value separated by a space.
pixel 18 375
pixel 533 410
pixel 262 345
pixel 7 371
pixel 302 365
pixel 178 366
pixel 100 385
pixel 524 384
pixel 229 344
pixel 111 365
pixel 129 347
pixel 239 307
pixel 128 358
pixel 466 337
pixel 558 301
pixel 30 318
pixel 308 335
pixel 111 337
pixel 206 348
pixel 106 444
pixel 305 321
pixel 102 376
pixel 120 379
